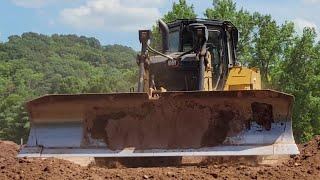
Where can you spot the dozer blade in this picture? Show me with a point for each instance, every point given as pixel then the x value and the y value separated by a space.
pixel 219 123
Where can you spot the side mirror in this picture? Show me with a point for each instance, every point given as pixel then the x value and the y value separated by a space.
pixel 144 36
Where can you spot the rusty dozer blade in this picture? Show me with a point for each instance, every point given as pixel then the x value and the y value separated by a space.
pixel 219 123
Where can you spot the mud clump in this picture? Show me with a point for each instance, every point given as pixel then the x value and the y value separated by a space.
pixel 262 114
pixel 303 166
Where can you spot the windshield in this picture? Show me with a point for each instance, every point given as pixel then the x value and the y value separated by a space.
pixel 214 40
pixel 213 44
pixel 174 41
pixel 187 41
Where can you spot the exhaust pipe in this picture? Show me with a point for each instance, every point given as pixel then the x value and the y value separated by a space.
pixel 165 35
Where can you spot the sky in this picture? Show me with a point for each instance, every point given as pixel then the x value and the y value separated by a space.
pixel 118 21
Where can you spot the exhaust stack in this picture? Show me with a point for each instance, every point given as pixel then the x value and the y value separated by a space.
pixel 165 35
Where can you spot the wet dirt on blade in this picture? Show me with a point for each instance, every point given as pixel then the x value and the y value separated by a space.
pixel 174 123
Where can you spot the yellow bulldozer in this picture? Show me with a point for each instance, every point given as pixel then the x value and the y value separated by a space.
pixel 193 99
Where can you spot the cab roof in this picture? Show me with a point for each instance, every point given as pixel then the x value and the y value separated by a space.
pixel 213 22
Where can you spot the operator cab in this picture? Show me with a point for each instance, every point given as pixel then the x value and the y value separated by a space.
pixel 222 38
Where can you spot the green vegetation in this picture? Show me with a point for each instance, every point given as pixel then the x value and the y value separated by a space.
pixel 33 65
pixel 180 10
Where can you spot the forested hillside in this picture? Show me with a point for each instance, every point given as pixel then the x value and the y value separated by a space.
pixel 33 64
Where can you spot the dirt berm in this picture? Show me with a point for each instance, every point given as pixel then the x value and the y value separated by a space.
pixel 304 166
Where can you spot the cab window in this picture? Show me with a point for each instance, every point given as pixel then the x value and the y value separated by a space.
pixel 174 41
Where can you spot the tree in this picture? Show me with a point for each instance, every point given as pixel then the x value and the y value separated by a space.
pixel 300 76
pixel 242 19
pixel 180 10
pixel 262 40
pixel 268 45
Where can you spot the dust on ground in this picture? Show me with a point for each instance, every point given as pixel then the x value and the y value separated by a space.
pixel 303 166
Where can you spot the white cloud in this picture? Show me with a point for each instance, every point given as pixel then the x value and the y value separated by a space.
pixel 33 3
pixel 124 15
pixel 311 1
pixel 302 23
pixel 51 22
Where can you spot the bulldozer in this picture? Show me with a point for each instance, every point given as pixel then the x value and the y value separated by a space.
pixel 194 98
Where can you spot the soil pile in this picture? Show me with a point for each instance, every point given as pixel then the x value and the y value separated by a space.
pixel 304 166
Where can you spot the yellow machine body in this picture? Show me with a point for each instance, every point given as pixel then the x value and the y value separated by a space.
pixel 243 78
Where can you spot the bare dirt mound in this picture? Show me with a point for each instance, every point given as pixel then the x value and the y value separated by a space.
pixel 12 167
pixel 304 166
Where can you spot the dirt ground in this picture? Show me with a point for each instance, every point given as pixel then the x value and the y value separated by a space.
pixel 304 166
